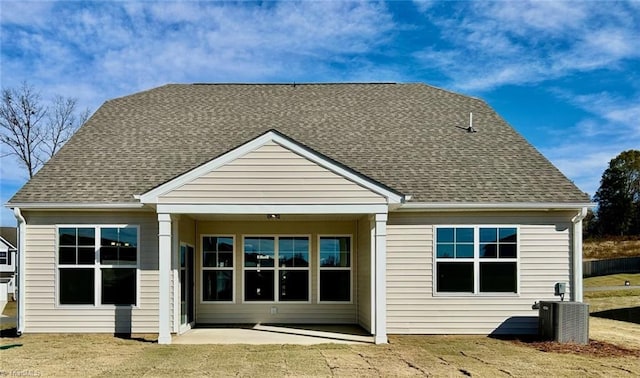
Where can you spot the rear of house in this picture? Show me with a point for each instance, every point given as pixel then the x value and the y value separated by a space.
pixel 368 204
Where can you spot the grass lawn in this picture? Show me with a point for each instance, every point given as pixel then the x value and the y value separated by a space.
pixel 613 280
pixel 104 356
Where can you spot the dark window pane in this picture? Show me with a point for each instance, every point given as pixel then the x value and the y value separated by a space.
pixel 67 236
pixel 86 255
pixel 128 237
pixel 508 235
pixel 217 285
pixel 489 250
pixel 76 285
pixel 209 259
pixel 335 252
pixel 293 252
pixel 118 286
pixel 209 243
pixel 508 251
pixel 335 259
pixel 183 251
pixel 488 235
pixel 67 255
pixel 445 250
pixel 258 285
pixel 259 252
pixel 498 277
pixel 335 285
pixel 444 235
pixel 109 255
pixel 294 285
pixel 455 277
pixel 225 259
pixel 128 255
pixel 86 236
pixel 464 251
pixel 109 237
pixel 225 244
pixel 464 235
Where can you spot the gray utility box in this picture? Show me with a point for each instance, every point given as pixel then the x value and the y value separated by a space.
pixel 564 322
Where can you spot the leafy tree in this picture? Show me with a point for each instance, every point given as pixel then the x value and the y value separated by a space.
pixel 32 131
pixel 619 196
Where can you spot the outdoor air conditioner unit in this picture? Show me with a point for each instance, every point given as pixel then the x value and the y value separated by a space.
pixel 564 322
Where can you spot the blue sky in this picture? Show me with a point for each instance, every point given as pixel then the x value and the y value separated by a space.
pixel 564 74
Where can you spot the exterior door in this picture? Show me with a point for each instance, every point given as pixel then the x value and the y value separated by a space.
pixel 187 287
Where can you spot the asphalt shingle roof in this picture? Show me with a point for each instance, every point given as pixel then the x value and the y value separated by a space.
pixel 409 137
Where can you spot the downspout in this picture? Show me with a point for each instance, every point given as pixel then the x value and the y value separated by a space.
pixel 20 258
pixel 576 289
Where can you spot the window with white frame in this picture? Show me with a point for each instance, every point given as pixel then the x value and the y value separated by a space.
pixel 4 258
pixel 335 268
pixel 217 268
pixel 276 268
pixel 476 259
pixel 97 265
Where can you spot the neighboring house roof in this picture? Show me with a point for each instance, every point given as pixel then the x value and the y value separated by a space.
pixel 10 236
pixel 409 137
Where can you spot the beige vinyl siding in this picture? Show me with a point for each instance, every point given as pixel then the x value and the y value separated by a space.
pixel 271 174
pixel 364 273
pixel 412 307
pixel 43 314
pixel 288 312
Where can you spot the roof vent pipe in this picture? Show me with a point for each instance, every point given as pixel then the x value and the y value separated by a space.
pixel 470 129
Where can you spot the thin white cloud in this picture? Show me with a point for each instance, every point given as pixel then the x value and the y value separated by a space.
pixel 528 42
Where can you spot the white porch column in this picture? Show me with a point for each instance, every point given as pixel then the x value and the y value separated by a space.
pixel 164 267
pixel 381 278
pixel 576 284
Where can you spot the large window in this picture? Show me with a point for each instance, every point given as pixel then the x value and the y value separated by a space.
pixel 335 268
pixel 97 265
pixel 217 268
pixel 476 259
pixel 276 268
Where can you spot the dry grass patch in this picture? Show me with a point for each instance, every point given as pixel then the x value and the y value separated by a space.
pixel 609 249
pixel 105 356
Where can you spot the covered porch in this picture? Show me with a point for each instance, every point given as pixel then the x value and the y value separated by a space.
pixel 270 270
pixel 272 232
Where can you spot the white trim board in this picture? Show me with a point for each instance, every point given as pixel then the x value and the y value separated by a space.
pixel 151 196
pixel 271 209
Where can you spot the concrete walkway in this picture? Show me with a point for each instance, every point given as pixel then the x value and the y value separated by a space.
pixel 270 334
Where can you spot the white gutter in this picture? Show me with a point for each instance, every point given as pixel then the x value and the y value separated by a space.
pixel 576 287
pixel 20 259
pixel 473 206
pixel 74 206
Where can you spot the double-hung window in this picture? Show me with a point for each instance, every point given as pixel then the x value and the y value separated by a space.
pixel 476 259
pixel 276 268
pixel 217 268
pixel 335 268
pixel 97 265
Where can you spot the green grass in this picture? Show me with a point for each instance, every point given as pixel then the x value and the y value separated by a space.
pixel 613 280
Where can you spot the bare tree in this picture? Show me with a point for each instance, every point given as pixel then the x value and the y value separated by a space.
pixel 62 123
pixel 32 131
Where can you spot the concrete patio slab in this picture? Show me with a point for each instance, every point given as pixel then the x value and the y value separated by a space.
pixel 275 334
